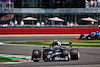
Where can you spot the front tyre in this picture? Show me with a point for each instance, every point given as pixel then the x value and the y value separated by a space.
pixel 66 54
pixel 36 55
pixel 75 54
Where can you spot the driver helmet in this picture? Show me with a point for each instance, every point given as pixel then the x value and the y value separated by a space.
pixel 55 43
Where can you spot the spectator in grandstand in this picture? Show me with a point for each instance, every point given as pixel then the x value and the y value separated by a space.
pixel 4 25
pixel 75 24
pixel 61 24
pixel 98 3
pixel 11 23
pixel 22 23
pixel 38 24
pixel 4 4
pixel 92 3
pixel 87 4
pixel 42 24
pixel 68 24
pixel 92 23
pixel 46 22
pixel 95 3
pixel 16 22
pixel 71 24
pixel 86 1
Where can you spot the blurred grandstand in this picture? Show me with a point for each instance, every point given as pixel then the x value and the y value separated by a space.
pixel 71 11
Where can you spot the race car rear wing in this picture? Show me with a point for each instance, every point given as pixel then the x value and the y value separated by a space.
pixel 66 43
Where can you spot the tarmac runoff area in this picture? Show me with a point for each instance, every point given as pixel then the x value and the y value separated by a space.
pixel 37 37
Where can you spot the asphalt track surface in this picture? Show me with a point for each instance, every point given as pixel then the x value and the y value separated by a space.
pixel 89 56
pixel 35 38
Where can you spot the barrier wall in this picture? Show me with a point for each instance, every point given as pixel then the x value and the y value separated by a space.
pixel 48 30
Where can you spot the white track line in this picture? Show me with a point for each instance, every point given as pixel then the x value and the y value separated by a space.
pixel 1 43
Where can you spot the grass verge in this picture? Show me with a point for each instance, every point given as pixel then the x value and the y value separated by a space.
pixel 11 59
pixel 80 43
pixel 5 60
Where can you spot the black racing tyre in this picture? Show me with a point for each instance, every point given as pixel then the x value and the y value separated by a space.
pixel 81 36
pixel 36 60
pixel 74 54
pixel 36 55
pixel 97 37
pixel 66 53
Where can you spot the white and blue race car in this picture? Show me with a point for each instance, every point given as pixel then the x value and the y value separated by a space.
pixel 56 52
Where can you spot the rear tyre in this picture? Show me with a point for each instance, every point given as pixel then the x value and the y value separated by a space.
pixel 36 55
pixel 75 55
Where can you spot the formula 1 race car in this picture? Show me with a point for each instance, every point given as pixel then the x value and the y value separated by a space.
pixel 91 36
pixel 56 52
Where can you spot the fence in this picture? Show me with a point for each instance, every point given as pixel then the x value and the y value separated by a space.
pixel 48 26
pixel 6 6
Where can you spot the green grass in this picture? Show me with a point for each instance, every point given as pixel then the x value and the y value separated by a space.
pixel 32 43
pixel 82 43
pixel 87 43
pixel 11 59
pixel 5 60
